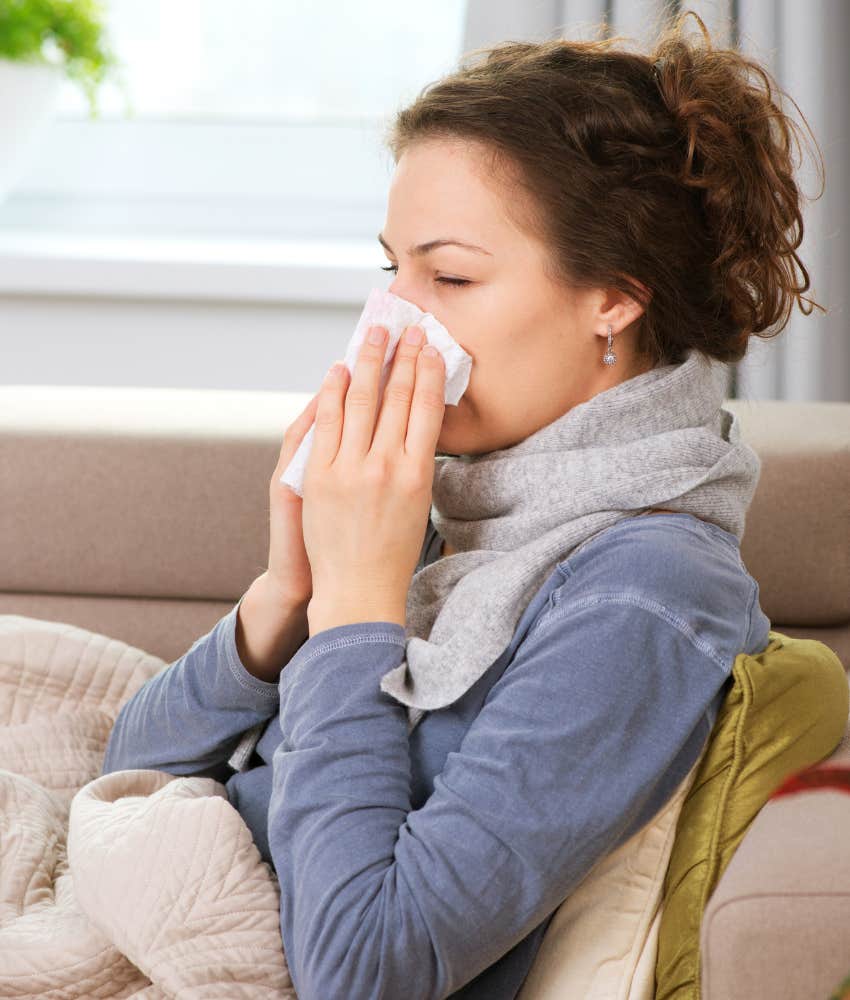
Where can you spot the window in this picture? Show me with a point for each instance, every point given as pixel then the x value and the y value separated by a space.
pixel 263 119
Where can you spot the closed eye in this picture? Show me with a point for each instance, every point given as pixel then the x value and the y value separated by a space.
pixel 457 282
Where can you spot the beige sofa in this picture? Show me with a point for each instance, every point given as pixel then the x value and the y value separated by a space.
pixel 143 514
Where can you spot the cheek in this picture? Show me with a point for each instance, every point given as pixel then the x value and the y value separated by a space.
pixel 494 364
pixel 492 341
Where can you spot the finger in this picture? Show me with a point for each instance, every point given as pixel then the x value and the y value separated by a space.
pixel 394 411
pixel 295 432
pixel 361 400
pixel 327 430
pixel 428 407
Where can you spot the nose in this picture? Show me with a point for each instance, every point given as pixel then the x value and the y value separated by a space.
pixel 405 290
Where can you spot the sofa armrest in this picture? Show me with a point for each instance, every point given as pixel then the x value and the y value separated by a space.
pixel 777 926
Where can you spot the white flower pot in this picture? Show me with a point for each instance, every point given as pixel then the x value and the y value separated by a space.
pixel 29 95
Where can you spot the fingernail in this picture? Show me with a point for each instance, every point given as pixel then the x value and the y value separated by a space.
pixel 430 350
pixel 376 335
pixel 335 370
pixel 413 335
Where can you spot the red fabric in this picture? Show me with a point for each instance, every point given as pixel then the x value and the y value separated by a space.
pixel 814 778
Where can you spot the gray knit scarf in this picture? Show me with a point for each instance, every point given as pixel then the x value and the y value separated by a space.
pixel 659 439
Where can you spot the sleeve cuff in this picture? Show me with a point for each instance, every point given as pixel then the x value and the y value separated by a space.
pixel 243 677
pixel 340 636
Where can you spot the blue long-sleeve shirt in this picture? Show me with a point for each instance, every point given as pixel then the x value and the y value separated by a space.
pixel 428 865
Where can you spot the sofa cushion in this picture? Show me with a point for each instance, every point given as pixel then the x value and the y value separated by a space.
pixel 786 710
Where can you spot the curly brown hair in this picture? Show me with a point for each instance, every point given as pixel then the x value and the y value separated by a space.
pixel 669 176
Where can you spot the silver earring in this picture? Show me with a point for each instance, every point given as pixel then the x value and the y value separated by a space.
pixel 609 357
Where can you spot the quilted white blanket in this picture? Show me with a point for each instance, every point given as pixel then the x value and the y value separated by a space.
pixel 141 884
pixel 133 884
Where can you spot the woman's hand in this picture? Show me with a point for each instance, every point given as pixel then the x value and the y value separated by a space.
pixel 272 618
pixel 367 487
pixel 289 568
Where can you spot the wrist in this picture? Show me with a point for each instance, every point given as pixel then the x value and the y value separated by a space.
pixel 269 629
pixel 277 595
pixel 329 611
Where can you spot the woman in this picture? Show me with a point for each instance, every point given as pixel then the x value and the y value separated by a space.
pixel 565 639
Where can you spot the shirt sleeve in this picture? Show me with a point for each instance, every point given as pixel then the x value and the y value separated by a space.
pixel 573 743
pixel 188 718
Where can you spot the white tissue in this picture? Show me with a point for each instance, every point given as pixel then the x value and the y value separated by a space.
pixel 396 314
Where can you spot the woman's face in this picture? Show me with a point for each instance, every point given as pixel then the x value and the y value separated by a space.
pixel 536 347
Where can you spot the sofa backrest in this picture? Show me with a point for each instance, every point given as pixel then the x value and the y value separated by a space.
pixel 142 513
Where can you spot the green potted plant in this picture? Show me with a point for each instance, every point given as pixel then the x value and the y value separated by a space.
pixel 42 42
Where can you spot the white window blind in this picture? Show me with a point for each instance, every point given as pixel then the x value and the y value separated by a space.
pixel 257 119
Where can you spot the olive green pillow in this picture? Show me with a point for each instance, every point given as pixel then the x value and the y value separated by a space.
pixel 785 710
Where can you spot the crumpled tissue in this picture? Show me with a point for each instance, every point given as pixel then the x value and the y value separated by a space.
pixel 386 309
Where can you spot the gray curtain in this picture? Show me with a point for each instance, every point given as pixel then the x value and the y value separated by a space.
pixel 804 45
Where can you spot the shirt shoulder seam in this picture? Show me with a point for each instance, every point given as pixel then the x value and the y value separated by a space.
pixel 560 611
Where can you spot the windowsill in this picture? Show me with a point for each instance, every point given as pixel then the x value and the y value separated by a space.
pixel 263 271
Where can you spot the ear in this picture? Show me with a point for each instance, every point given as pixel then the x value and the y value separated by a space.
pixel 621 309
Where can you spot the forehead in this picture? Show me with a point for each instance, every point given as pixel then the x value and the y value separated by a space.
pixel 442 187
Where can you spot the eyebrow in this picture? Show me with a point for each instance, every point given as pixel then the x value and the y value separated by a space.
pixel 423 248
